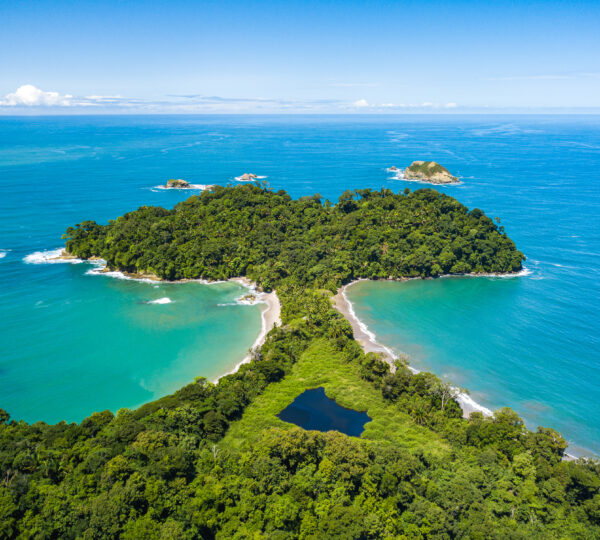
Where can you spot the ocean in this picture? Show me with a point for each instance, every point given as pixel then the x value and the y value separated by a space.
pixel 74 342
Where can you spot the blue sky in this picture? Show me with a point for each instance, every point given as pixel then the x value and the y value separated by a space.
pixel 329 57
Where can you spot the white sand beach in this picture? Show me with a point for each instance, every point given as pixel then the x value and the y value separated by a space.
pixel 271 316
pixel 367 339
pixel 362 334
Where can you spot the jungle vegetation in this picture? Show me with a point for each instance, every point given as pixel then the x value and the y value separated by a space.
pixel 252 231
pixel 214 461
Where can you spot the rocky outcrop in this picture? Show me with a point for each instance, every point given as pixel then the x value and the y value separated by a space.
pixel 177 183
pixel 246 177
pixel 429 171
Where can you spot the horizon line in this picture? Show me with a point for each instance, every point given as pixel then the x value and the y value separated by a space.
pixel 540 112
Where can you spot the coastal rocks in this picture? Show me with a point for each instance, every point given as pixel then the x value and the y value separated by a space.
pixel 64 255
pixel 177 183
pixel 246 177
pixel 429 171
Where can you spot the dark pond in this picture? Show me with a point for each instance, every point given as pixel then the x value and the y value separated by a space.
pixel 312 409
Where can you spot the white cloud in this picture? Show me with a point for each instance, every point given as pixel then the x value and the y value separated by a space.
pixel 361 103
pixel 427 105
pixel 27 96
pixel 31 96
pixel 104 98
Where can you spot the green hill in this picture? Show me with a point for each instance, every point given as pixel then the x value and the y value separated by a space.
pixel 266 236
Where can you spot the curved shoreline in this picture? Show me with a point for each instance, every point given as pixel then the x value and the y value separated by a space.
pixel 368 341
pixel 270 314
pixel 270 317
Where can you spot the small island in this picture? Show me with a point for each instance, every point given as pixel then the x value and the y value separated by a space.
pixel 246 177
pixel 430 172
pixel 177 183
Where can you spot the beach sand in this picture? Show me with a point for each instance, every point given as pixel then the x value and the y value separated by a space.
pixel 362 334
pixel 368 342
pixel 270 314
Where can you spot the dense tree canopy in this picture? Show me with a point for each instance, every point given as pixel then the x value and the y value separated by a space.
pixel 173 468
pixel 251 230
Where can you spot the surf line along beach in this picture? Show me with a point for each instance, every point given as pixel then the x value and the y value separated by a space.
pixel 368 341
pixel 270 313
pixel 270 316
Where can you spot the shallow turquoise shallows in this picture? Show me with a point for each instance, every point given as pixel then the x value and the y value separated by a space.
pixel 73 343
pixel 483 335
pixel 92 342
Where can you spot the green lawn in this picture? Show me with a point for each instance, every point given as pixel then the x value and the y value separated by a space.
pixel 321 365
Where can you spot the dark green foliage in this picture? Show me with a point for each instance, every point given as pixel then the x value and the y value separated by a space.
pixel 164 471
pixel 253 231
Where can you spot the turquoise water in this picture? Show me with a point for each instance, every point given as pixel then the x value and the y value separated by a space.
pixel 530 342
pixel 483 334
pixel 76 343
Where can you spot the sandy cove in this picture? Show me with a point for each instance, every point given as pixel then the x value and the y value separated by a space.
pixel 270 315
pixel 367 339
pixel 362 334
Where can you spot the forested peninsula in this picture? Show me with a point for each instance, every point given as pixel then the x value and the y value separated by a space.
pixel 214 461
pixel 270 238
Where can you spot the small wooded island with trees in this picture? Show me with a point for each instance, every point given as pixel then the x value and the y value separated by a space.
pixel 215 461
pixel 430 172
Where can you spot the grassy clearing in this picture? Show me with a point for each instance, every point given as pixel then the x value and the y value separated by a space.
pixel 321 365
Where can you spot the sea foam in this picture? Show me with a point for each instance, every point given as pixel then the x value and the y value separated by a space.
pixel 524 272
pixel 259 298
pixel 101 271
pixel 467 403
pixel 365 329
pixel 197 187
pixel 164 300
pixel 50 256
pixel 399 175
pixel 239 178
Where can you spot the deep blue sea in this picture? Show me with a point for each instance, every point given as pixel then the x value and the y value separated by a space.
pixel 73 342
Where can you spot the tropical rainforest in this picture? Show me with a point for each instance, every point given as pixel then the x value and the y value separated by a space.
pixel 264 235
pixel 214 461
